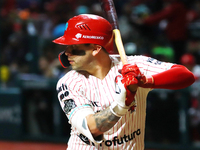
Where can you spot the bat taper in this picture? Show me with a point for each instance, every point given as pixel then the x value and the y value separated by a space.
pixel 110 14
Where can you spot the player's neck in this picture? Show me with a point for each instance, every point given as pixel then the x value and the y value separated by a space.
pixel 102 67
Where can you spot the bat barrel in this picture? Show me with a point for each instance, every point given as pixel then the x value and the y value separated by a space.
pixel 110 12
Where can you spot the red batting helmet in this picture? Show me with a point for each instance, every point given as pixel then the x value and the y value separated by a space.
pixel 88 28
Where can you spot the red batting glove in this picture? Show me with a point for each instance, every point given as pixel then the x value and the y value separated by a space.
pixel 129 79
pixel 123 98
pixel 143 81
pixel 130 68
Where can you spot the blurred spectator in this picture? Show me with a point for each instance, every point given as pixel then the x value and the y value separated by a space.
pixel 82 9
pixel 59 30
pixel 162 51
pixel 39 112
pixel 194 31
pixel 174 13
pixel 49 69
pixel 16 47
pixel 96 9
pixel 4 75
pixel 189 61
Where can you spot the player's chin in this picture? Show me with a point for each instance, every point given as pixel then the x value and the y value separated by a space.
pixel 75 67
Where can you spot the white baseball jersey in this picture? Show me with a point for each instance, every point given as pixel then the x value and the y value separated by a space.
pixel 76 92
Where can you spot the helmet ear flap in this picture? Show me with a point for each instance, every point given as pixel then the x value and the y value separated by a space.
pixel 63 60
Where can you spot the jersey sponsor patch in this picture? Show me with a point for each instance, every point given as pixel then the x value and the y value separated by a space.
pixel 115 141
pixel 81 36
pixel 84 139
pixel 69 105
pixel 65 92
pixel 121 140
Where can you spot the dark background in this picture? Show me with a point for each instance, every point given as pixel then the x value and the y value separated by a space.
pixel 29 71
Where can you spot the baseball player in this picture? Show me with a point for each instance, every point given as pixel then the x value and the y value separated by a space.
pixel 104 100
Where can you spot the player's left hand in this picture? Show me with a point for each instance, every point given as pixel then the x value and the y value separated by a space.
pixel 129 68
pixel 143 81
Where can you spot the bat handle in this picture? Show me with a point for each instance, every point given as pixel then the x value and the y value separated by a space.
pixel 122 54
pixel 120 47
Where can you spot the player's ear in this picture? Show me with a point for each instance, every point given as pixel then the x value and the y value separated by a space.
pixel 96 49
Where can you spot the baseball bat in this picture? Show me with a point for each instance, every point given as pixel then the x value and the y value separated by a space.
pixel 109 10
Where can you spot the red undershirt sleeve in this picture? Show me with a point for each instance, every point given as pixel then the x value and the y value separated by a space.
pixel 178 77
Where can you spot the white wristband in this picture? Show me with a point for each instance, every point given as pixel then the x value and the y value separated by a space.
pixel 117 110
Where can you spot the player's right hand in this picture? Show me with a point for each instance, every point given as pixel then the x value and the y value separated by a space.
pixel 124 99
pixel 129 82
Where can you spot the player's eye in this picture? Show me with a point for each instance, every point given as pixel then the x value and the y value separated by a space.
pixel 78 52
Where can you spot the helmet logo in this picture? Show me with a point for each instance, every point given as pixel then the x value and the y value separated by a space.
pixel 78 35
pixel 66 26
pixel 93 37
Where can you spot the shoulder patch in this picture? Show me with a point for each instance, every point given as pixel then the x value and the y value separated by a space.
pixel 69 105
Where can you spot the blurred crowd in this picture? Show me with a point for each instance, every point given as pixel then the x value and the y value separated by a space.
pixel 165 29
pixel 168 30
